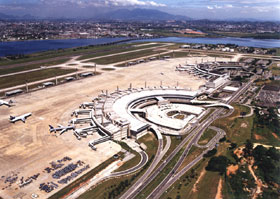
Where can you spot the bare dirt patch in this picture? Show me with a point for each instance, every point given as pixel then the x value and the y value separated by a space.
pixel 238 152
pixel 243 125
pixel 232 169
pixel 258 137
pixel 275 135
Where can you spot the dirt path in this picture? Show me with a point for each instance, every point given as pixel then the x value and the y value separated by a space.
pixel 258 182
pixel 219 190
pixel 194 189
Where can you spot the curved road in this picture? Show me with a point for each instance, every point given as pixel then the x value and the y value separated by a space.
pixel 143 161
pixel 140 181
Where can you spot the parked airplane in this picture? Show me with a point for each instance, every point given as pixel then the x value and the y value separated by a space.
pixel 85 130
pixel 61 128
pixel 2 102
pixel 22 118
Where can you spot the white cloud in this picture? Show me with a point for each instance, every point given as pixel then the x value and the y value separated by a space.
pixel 229 6
pixel 84 3
pixel 133 3
pixel 210 7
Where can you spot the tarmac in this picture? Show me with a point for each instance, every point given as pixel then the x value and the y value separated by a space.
pixel 26 149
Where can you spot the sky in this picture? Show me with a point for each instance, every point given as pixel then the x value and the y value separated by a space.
pixel 197 9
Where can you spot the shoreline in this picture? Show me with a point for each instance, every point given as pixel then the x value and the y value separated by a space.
pixel 66 43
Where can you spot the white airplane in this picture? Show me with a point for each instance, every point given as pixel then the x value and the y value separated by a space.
pixel 85 130
pixel 61 128
pixel 22 118
pixel 2 102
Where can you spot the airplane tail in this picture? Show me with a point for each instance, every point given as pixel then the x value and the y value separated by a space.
pixel 51 128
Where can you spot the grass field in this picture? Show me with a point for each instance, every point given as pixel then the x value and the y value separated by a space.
pixel 275 69
pixel 132 162
pixel 63 52
pixel 6 82
pixel 238 130
pixel 184 187
pixel 151 142
pixel 193 153
pixel 7 70
pixel 125 48
pixel 124 57
pixel 206 136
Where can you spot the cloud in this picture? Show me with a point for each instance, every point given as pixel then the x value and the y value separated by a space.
pixel 210 8
pixel 133 3
pixel 100 3
pixel 229 6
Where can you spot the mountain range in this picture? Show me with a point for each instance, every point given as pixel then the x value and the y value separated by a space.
pixel 120 14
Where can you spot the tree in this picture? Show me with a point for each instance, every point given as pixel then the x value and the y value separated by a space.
pixel 210 153
pixel 248 148
pixel 273 153
pixel 218 164
pixel 259 152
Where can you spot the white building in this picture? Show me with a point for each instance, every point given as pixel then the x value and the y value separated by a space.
pixel 216 82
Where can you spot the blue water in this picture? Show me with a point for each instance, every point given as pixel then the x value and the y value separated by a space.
pixel 259 43
pixel 27 47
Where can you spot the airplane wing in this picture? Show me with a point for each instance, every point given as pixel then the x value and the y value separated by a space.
pixel 63 131
pixel 23 119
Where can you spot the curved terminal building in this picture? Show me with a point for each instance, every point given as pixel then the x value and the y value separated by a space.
pixel 131 113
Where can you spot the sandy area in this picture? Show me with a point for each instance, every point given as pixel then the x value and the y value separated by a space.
pixel 28 148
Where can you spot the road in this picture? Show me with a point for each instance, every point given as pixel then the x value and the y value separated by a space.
pixel 140 181
pixel 170 178
pixel 143 161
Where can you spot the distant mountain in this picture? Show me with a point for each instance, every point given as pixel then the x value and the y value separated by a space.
pixel 5 17
pixel 120 14
pixel 12 17
pixel 140 15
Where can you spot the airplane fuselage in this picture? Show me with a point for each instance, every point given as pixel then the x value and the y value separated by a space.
pixel 22 118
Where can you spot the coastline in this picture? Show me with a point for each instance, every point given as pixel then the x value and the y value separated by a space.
pixel 36 46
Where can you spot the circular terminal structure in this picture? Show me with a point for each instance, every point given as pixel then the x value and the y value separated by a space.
pixel 130 113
